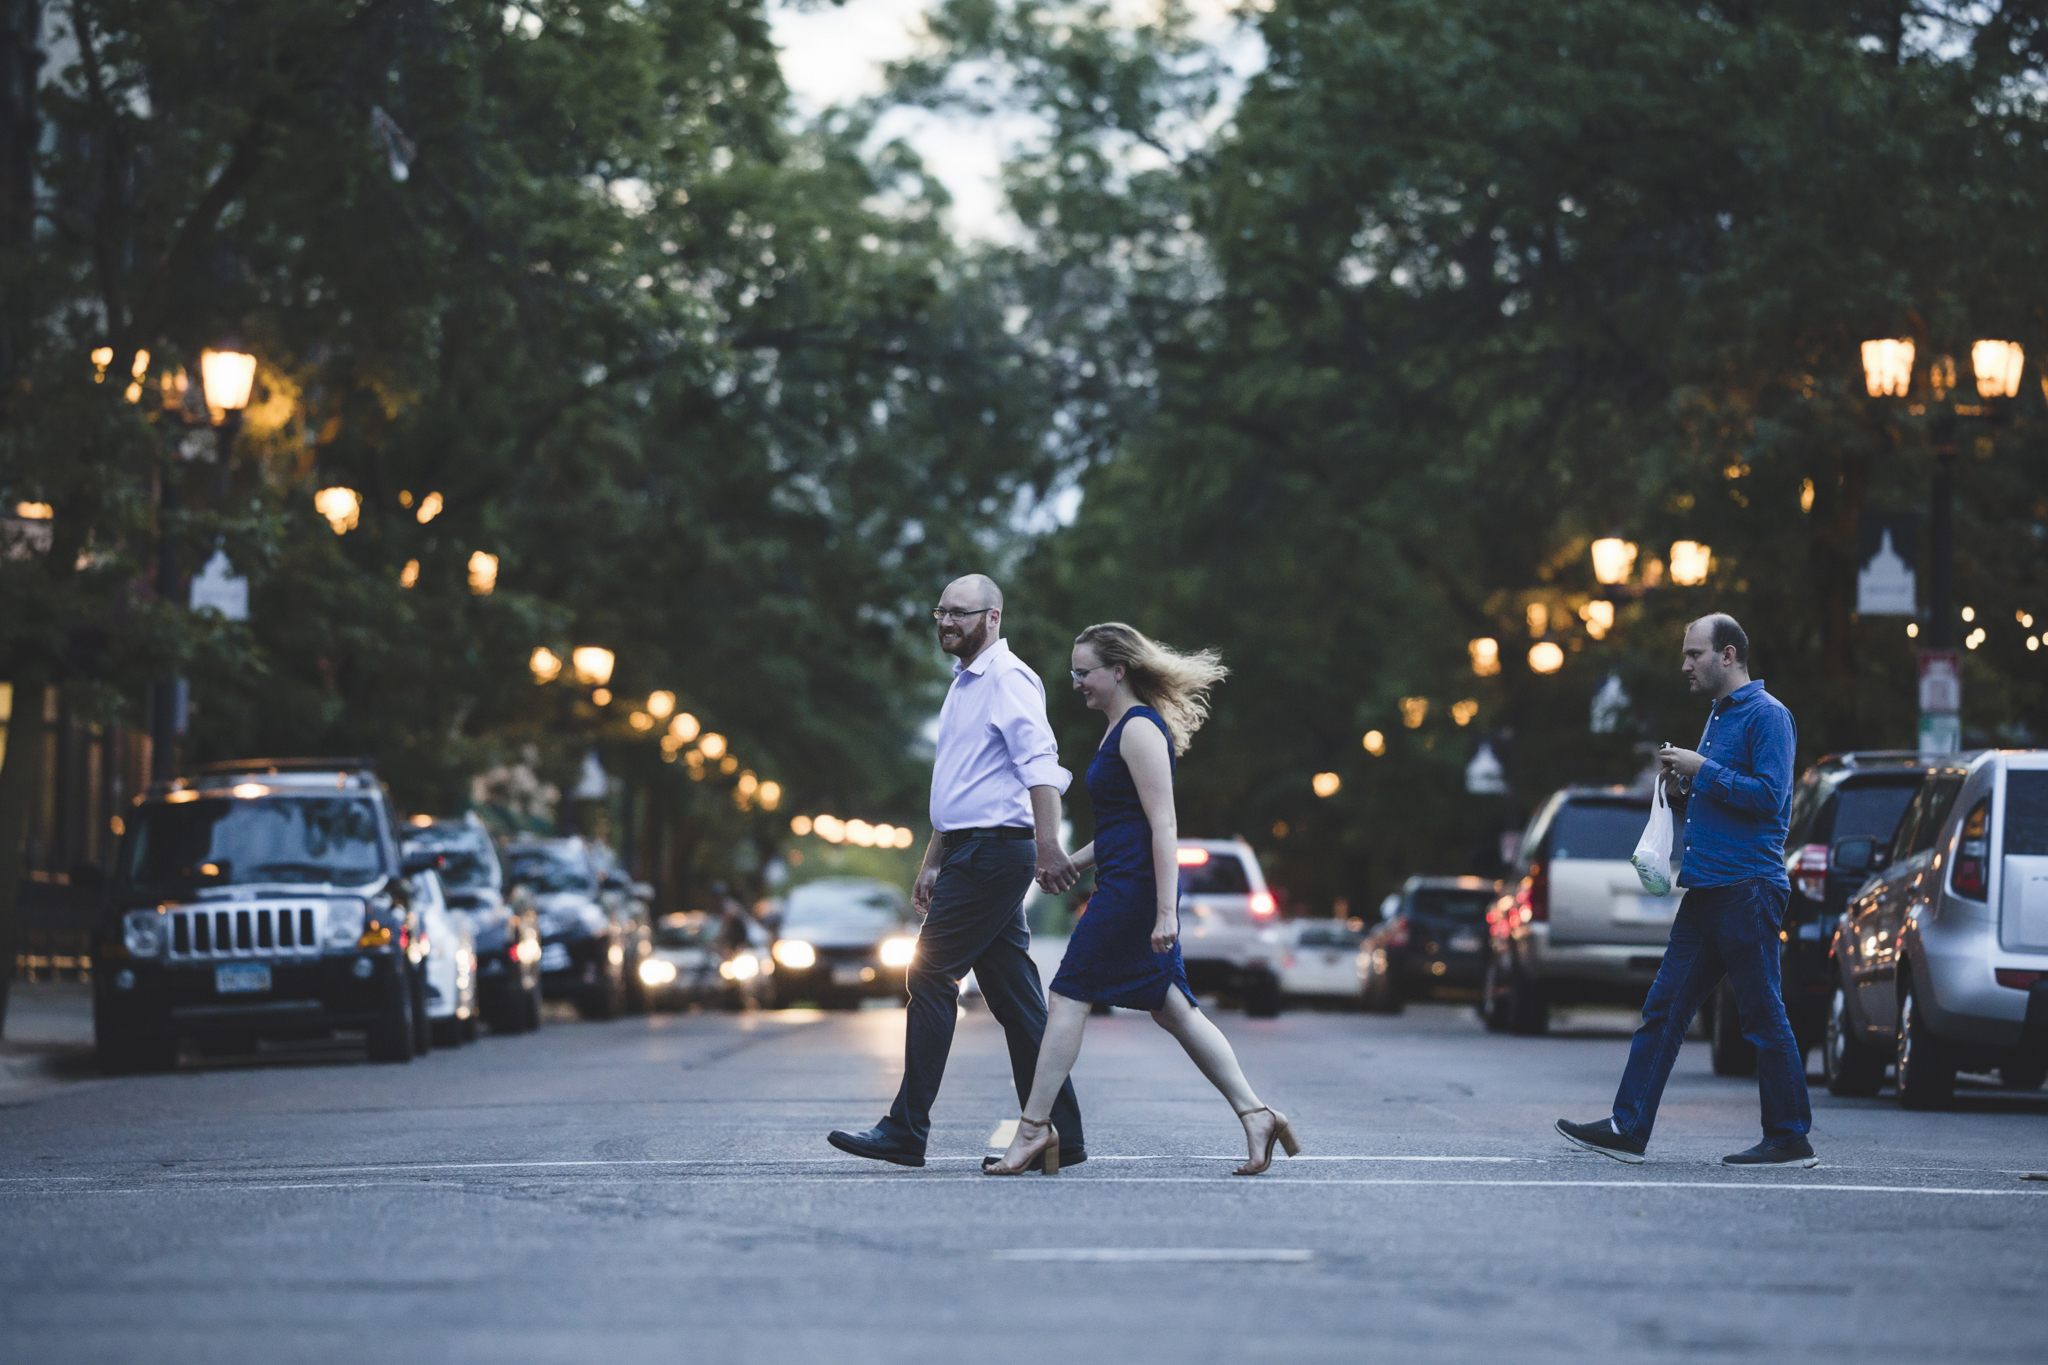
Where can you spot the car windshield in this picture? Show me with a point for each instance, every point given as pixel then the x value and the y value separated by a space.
pixel 1601 831
pixel 548 870
pixel 686 931
pixel 220 841
pixel 2026 815
pixel 1871 809
pixel 1219 874
pixel 468 862
pixel 1335 934
pixel 842 907
pixel 1468 907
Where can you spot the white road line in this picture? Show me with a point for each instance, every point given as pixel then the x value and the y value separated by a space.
pixel 1129 1255
pixel 910 1182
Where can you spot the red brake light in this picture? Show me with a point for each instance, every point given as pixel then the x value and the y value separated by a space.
pixel 1262 902
pixel 1810 872
pixel 1193 857
pixel 1397 933
pixel 1973 852
pixel 1532 901
pixel 2018 980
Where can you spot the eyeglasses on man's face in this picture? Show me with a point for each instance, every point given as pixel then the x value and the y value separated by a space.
pixel 956 613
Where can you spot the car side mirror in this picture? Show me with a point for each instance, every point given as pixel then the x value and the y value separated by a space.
pixel 416 863
pixel 1856 854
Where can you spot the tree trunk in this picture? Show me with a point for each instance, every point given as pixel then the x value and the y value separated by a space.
pixel 20 774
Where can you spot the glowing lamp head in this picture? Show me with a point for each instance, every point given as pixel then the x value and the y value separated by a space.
pixel 546 665
pixel 712 745
pixel 340 506
pixel 483 574
pixel 1326 784
pixel 661 705
pixel 1614 559
pixel 593 665
pixel 1485 654
pixel 684 728
pixel 1998 365
pixel 1690 562
pixel 1545 656
pixel 227 377
pixel 1888 367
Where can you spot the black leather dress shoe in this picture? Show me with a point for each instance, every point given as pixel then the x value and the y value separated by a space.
pixel 875 1145
pixel 1069 1156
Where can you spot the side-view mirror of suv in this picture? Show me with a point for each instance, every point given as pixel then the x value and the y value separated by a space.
pixel 1857 854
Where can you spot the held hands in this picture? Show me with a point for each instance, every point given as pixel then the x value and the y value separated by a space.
pixel 1166 931
pixel 1056 872
pixel 1684 762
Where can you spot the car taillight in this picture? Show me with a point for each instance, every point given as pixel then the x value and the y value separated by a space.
pixel 2017 979
pixel 1397 933
pixel 1262 904
pixel 1532 901
pixel 1810 872
pixel 1973 852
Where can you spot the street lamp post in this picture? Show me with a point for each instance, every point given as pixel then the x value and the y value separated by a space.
pixel 226 377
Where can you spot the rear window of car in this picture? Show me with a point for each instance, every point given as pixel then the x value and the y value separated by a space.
pixel 1466 906
pixel 1603 831
pixel 1332 935
pixel 1219 874
pixel 2026 814
pixel 1869 809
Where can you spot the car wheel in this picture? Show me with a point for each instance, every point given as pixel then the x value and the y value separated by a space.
pixel 422 1026
pixel 390 1036
pixel 471 1027
pixel 1733 1054
pixel 2023 1075
pixel 605 1000
pixel 1924 1070
pixel 1262 999
pixel 1855 1069
pixel 529 1009
pixel 1528 1008
pixel 446 1032
pixel 136 1051
pixel 1492 1005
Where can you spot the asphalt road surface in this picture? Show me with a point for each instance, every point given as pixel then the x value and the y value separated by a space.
pixel 659 1190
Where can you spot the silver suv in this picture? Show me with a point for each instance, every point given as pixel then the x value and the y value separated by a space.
pixel 1941 959
pixel 1229 921
pixel 1578 927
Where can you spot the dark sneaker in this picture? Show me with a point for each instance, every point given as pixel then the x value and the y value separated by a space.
pixel 875 1145
pixel 1797 1152
pixel 1600 1137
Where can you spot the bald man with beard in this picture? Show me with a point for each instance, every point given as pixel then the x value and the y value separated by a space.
pixel 995 807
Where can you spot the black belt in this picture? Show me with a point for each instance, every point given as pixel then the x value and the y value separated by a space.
pixel 953 838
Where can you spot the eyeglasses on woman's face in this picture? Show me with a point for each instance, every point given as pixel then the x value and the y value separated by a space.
pixel 1078 674
pixel 943 614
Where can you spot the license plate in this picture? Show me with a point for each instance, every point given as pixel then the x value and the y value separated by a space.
pixel 240 978
pixel 1465 943
pixel 1332 959
pixel 847 976
pixel 554 957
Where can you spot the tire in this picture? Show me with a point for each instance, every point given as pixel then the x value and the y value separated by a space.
pixel 1492 1011
pixel 605 1000
pixel 471 1028
pixel 1733 1054
pixel 446 1032
pixel 1855 1069
pixel 1527 1007
pixel 390 1037
pixel 2023 1075
pixel 1262 998
pixel 135 1051
pixel 422 1026
pixel 1924 1070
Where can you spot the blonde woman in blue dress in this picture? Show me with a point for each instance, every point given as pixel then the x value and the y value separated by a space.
pixel 1126 949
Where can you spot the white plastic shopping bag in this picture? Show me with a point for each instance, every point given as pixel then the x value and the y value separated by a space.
pixel 1653 851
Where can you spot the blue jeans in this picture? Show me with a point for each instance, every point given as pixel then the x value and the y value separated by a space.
pixel 1720 931
pixel 976 922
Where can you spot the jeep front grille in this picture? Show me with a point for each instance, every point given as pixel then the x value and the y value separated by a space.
pixel 232 931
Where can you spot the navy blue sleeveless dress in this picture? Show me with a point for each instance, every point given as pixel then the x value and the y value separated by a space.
pixel 1109 958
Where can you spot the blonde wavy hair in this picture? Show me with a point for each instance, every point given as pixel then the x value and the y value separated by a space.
pixel 1174 684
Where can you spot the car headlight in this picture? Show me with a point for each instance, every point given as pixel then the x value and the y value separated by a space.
pixel 656 971
pixel 795 954
pixel 142 932
pixel 740 967
pixel 345 921
pixel 896 952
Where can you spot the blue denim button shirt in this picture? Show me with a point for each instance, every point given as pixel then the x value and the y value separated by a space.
pixel 1742 796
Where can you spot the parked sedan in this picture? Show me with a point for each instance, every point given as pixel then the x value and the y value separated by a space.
pixel 696 961
pixel 1942 958
pixel 504 930
pixel 1319 959
pixel 1432 933
pixel 843 940
pixel 582 947
pixel 451 1012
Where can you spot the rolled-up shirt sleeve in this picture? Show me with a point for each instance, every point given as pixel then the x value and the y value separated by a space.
pixel 1019 716
pixel 1761 790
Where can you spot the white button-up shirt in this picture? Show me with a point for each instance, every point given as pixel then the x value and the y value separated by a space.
pixel 995 744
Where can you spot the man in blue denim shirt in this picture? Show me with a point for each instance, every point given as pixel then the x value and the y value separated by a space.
pixel 1741 802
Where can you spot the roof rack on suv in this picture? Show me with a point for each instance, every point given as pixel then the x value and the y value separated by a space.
pixel 234 767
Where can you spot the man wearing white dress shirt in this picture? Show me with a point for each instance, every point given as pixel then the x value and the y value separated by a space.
pixel 996 790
